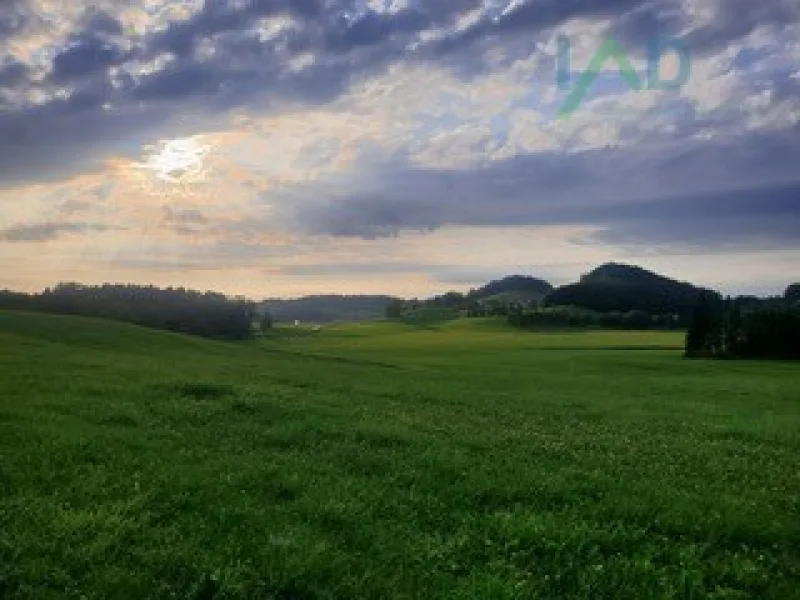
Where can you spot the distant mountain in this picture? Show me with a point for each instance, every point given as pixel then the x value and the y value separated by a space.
pixel 517 288
pixel 328 309
pixel 608 288
pixel 623 288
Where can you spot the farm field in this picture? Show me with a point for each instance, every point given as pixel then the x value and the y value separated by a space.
pixel 460 459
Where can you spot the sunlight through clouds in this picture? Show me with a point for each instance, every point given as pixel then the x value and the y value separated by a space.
pixel 177 161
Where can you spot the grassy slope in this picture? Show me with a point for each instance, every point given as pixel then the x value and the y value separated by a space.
pixel 383 460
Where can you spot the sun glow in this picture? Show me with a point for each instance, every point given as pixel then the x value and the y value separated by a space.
pixel 177 161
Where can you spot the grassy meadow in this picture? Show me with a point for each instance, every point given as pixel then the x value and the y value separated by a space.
pixel 460 459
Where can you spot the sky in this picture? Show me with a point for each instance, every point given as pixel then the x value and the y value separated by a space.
pixel 277 148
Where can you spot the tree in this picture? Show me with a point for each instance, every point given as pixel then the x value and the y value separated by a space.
pixel 703 329
pixel 745 328
pixel 395 309
pixel 792 295
pixel 267 322
pixel 733 336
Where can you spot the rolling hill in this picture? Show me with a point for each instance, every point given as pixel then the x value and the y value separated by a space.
pixel 515 288
pixel 622 288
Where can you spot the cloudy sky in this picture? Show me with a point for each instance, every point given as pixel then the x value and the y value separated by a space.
pixel 286 147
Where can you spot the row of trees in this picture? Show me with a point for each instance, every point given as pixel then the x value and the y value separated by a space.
pixel 570 317
pixel 205 314
pixel 746 327
pixel 327 308
pixel 496 298
pixel 459 305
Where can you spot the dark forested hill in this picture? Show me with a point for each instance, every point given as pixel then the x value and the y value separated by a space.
pixel 528 288
pixel 623 288
pixel 206 314
pixel 630 274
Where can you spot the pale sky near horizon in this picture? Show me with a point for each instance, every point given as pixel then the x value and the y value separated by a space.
pixel 289 147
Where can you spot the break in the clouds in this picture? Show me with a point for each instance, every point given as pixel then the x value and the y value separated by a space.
pixel 254 145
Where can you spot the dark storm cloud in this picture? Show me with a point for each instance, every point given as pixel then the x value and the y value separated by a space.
pixel 89 51
pixel 101 107
pixel 744 191
pixel 44 232
pixel 757 218
pixel 68 135
pixel 12 74
pixel 373 29
pixel 179 81
pixel 86 55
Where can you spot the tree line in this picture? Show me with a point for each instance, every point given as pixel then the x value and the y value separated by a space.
pixel 746 327
pixel 573 317
pixel 205 314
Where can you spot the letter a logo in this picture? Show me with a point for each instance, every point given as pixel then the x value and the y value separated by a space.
pixel 610 50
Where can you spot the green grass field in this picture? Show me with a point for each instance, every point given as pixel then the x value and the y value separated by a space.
pixel 458 460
